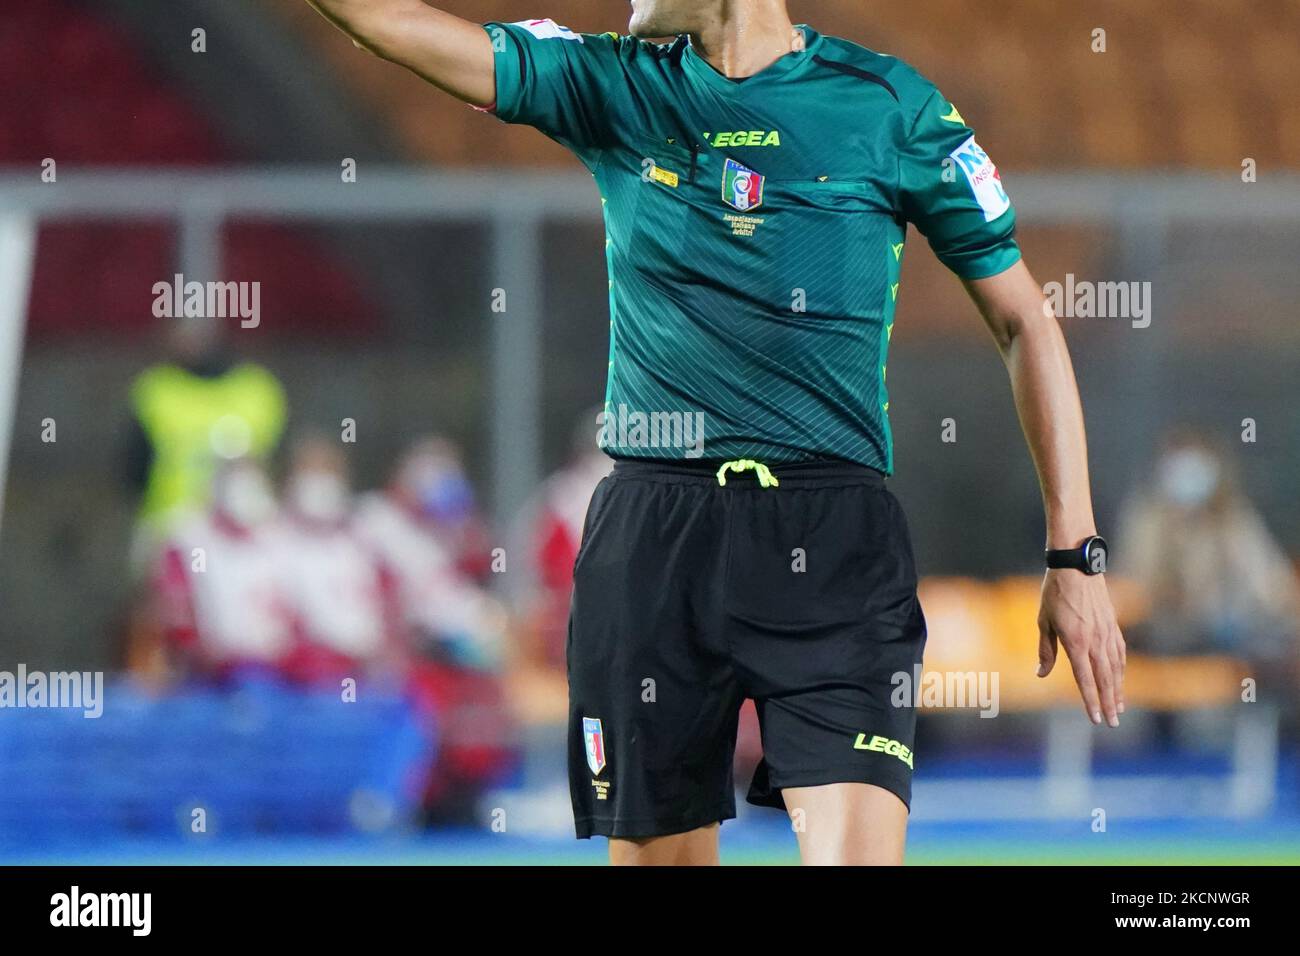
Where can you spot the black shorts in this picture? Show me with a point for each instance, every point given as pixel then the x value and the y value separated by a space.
pixel 690 597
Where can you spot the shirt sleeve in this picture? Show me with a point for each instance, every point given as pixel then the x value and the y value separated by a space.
pixel 556 80
pixel 950 190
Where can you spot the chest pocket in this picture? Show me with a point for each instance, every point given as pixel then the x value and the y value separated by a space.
pixel 809 249
pixel 672 180
pixel 828 244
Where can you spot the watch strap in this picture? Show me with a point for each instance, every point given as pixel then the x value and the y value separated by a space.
pixel 1080 558
pixel 1071 558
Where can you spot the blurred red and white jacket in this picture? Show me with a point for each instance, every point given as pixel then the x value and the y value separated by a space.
pixel 438 602
pixel 340 599
pixel 221 597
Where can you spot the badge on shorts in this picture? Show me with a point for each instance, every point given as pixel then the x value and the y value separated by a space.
pixel 742 188
pixel 594 738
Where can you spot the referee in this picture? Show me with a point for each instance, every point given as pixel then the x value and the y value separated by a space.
pixel 756 180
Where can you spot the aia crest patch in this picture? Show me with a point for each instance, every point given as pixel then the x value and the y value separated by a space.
pixel 594 738
pixel 742 188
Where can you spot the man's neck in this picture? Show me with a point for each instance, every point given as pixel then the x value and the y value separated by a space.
pixel 747 38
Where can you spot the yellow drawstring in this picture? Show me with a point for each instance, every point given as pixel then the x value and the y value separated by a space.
pixel 765 477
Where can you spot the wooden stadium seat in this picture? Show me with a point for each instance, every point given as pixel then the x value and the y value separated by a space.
pixel 1027 78
pixel 978 626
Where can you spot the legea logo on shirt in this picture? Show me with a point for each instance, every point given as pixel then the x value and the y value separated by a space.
pixel 983 178
pixel 548 30
pixel 742 137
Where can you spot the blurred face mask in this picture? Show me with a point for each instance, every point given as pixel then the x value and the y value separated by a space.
pixel 244 496
pixel 447 498
pixel 1189 477
pixel 318 496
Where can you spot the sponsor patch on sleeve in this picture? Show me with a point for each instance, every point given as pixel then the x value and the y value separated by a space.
pixel 548 30
pixel 983 177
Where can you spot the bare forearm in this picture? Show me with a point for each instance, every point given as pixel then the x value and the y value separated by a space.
pixel 365 21
pixel 452 53
pixel 1076 609
pixel 1047 401
pixel 1047 398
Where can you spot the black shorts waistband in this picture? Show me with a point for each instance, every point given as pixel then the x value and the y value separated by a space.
pixel 823 474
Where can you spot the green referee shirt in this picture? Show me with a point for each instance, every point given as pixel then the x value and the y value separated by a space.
pixel 755 231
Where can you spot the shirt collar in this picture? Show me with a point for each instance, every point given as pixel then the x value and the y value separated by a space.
pixel 781 68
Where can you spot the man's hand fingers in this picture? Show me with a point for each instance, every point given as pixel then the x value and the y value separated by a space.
pixel 1082 668
pixel 1046 649
pixel 1103 671
pixel 1122 652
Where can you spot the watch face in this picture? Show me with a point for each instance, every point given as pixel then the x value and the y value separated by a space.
pixel 1094 556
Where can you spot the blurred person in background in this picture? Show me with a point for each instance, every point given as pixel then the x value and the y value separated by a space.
pixel 218 589
pixel 342 601
pixel 1233 591
pixel 420 526
pixel 430 484
pixel 189 413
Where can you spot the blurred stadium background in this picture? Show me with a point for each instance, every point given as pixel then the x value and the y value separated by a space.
pixel 1170 158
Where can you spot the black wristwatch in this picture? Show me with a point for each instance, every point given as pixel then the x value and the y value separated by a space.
pixel 1089 557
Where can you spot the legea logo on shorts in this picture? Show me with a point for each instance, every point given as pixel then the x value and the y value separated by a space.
pixel 884 745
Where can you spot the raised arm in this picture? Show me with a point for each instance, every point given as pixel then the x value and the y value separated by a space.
pixel 1076 608
pixel 453 54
